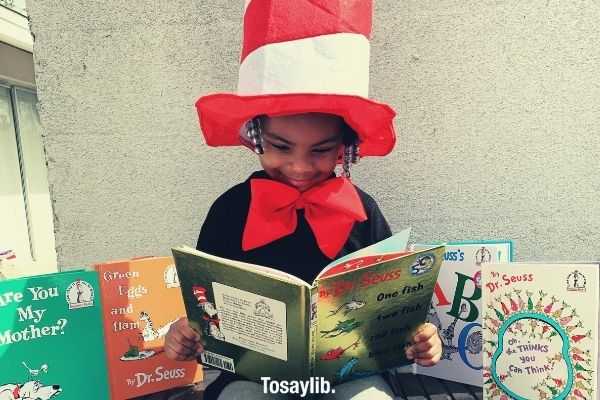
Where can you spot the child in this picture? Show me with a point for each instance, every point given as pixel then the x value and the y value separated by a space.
pixel 296 214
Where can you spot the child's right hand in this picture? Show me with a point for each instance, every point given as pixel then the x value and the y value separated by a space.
pixel 182 342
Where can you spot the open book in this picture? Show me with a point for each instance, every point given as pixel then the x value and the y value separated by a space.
pixel 355 319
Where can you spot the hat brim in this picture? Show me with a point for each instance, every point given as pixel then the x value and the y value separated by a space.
pixel 223 114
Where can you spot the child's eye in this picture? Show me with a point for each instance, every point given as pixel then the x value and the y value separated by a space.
pixel 280 147
pixel 323 150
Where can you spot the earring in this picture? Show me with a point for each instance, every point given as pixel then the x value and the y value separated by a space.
pixel 254 134
pixel 351 156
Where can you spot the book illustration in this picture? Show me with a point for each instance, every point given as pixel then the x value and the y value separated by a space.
pixel 342 327
pixel 483 255
pixel 148 332
pixel 348 307
pixel 539 338
pixel 134 353
pixel 35 372
pixel 262 309
pixel 30 390
pixel 423 264
pixel 338 352
pixel 473 342
pixel 347 371
pixel 210 317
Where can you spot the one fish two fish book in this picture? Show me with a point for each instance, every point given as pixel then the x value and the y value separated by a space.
pixel 51 342
pixel 355 320
pixel 540 331
pixel 456 308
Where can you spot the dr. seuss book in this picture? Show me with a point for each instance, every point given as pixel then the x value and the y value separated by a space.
pixel 540 331
pixel 141 300
pixel 354 320
pixel 51 343
pixel 456 306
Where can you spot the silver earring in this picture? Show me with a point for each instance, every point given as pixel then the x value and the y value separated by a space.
pixel 254 134
pixel 351 156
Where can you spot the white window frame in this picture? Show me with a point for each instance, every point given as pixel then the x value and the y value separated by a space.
pixel 40 257
pixel 14 29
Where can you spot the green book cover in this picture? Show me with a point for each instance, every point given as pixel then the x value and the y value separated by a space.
pixel 355 319
pixel 51 343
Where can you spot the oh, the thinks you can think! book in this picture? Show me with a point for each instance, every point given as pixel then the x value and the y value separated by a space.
pixel 355 319
pixel 51 343
pixel 540 331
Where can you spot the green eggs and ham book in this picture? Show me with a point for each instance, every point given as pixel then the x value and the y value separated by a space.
pixel 354 320
pixel 456 305
pixel 51 341
pixel 540 331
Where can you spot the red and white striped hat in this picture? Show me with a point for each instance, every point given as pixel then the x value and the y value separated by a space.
pixel 302 56
pixel 200 293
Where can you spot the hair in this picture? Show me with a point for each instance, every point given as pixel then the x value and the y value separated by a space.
pixel 251 137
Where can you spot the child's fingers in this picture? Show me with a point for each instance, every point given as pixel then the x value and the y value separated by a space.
pixel 424 332
pixel 183 327
pixel 179 352
pixel 422 347
pixel 429 361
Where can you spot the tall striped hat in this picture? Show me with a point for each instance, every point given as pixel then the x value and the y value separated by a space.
pixel 301 56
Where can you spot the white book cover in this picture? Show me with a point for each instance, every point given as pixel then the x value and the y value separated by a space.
pixel 456 306
pixel 540 331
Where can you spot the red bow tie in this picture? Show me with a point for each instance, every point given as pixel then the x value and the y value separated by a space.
pixel 330 208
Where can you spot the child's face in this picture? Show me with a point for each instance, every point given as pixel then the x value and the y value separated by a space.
pixel 301 150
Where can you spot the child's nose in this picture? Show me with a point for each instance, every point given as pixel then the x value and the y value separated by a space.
pixel 300 166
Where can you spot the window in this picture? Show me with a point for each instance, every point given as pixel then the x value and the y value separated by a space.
pixel 26 223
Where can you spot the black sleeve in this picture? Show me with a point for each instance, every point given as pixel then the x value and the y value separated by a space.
pixel 221 232
pixel 379 227
pixel 210 239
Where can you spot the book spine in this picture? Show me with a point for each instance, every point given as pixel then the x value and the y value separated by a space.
pixel 312 331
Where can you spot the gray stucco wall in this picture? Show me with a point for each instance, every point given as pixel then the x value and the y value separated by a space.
pixel 498 120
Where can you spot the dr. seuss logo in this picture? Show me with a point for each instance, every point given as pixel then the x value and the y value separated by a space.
pixel 170 276
pixel 80 294
pixel 576 282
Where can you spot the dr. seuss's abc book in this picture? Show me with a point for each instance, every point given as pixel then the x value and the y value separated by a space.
pixel 353 321
pixel 456 307
pixel 141 299
pixel 540 331
pixel 51 342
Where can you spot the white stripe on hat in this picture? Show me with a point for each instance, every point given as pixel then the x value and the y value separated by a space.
pixel 336 63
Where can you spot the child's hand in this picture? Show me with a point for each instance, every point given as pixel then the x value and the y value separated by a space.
pixel 426 347
pixel 182 342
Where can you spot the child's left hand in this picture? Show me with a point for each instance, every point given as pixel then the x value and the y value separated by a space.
pixel 426 348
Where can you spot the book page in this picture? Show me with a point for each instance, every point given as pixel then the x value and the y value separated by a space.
pixel 251 321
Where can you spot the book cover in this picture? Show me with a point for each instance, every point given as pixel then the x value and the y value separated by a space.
pixel 51 343
pixel 540 331
pixel 141 300
pixel 354 320
pixel 456 308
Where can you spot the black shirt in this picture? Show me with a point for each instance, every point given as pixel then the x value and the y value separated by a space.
pixel 297 254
